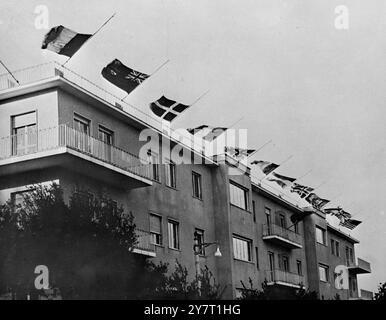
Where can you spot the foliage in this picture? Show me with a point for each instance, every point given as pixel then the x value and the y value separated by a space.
pixel 381 294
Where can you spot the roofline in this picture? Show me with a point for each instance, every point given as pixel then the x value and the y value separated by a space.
pixel 342 234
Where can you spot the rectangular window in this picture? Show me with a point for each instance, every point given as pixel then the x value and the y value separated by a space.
pixel 197 187
pixel 271 261
pixel 284 263
pixel 173 231
pixel 153 159
pixel 156 229
pixel 299 267
pixel 254 210
pixel 200 240
pixel 81 124
pixel 351 254
pixel 257 257
pixel 282 222
pixel 239 196
pixel 320 235
pixel 323 273
pixel 242 249
pixel 24 133
pixel 332 245
pixel 337 249
pixel 106 135
pixel 296 227
pixel 170 174
pixel 268 216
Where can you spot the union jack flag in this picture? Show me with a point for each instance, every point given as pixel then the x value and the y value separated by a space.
pixel 137 76
pixel 302 191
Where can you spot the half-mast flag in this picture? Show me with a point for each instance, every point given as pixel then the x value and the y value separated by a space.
pixel 281 180
pixel 122 76
pixel 338 212
pixel 265 166
pixel 350 223
pixel 317 202
pixel 302 191
pixel 64 41
pixel 167 109
pixel 211 134
pixel 239 153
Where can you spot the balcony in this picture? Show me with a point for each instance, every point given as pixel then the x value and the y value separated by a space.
pixel 360 267
pixel 282 236
pixel 144 245
pixel 366 295
pixel 284 278
pixel 73 150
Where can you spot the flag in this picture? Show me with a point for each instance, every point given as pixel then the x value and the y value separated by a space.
pixel 123 77
pixel 282 181
pixel 339 213
pixel 302 191
pixel 167 109
pixel 265 166
pixel 212 132
pixel 316 202
pixel 350 223
pixel 239 152
pixel 64 41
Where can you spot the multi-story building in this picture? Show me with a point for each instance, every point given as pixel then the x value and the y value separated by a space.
pixel 58 126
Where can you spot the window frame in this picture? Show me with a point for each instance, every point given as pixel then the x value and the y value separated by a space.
pixel 299 267
pixel 198 176
pixel 157 235
pixel 176 224
pixel 245 195
pixel 201 233
pixel 236 253
pixel 327 271
pixel 170 174
pixel 107 132
pixel 151 155
pixel 324 238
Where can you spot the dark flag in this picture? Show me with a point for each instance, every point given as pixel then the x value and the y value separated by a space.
pixel 302 191
pixel 281 180
pixel 316 202
pixel 239 153
pixel 123 77
pixel 167 109
pixel 211 134
pixel 265 166
pixel 64 41
pixel 350 223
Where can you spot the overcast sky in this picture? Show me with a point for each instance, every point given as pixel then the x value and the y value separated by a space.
pixel 280 66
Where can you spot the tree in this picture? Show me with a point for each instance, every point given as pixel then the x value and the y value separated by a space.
pixel 86 245
pixel 381 294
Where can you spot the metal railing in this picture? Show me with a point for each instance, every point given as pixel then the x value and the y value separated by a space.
pixel 276 230
pixel 36 141
pixel 366 295
pixel 277 275
pixel 144 242
pixel 360 263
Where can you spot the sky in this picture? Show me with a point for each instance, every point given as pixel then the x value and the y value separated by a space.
pixel 280 68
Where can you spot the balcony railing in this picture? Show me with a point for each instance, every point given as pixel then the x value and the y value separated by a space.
pixel 282 236
pixel 284 278
pixel 35 141
pixel 366 295
pixel 361 266
pixel 144 244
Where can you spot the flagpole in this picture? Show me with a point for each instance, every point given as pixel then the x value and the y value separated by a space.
pixel 99 29
pixel 199 98
pixel 154 72
pixel 276 168
pixel 9 72
pixel 306 174
pixel 322 184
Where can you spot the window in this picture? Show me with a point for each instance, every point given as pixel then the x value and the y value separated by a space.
pixel 296 227
pixel 320 235
pixel 337 249
pixel 282 222
pixel 268 216
pixel 284 263
pixel 174 241
pixel 24 133
pixel 156 229
pixel 254 210
pixel 81 124
pixel 241 249
pixel 323 273
pixel 257 257
pixel 106 135
pixel 199 237
pixel 239 196
pixel 197 188
pixel 271 260
pixel 332 246
pixel 299 267
pixel 153 159
pixel 170 174
pixel 351 254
